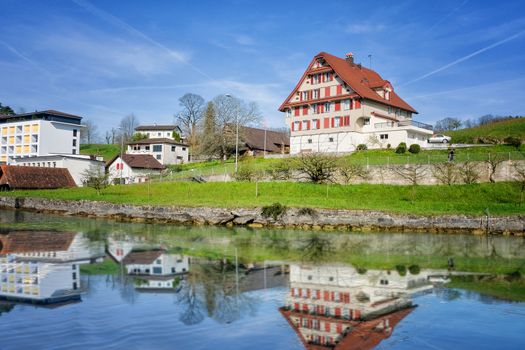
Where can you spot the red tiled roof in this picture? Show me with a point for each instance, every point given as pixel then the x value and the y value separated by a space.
pixel 140 161
pixel 29 177
pixel 362 80
pixel 146 257
pixel 35 241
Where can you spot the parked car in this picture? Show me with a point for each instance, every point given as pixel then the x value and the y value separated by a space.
pixel 439 138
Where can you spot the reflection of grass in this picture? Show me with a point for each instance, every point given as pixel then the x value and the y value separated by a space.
pixel 496 287
pixel 107 267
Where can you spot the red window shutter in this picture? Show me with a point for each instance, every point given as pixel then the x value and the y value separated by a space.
pixel 300 128
pixel 311 79
pixel 322 77
pixel 321 108
pixel 327 326
pixel 337 312
pixel 327 91
pixel 357 314
pixel 308 128
pixel 305 110
pixel 300 96
pixel 357 104
pixel 308 291
pixel 318 93
pixel 339 328
pixel 331 76
pixel 326 293
pixel 296 111
pixel 339 89
pixel 351 104
pixel 318 292
pixel 293 126
pixel 337 106
pixel 333 122
pixel 296 306
pixel 319 127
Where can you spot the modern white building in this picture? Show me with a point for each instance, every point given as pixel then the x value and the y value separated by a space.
pixel 165 150
pixel 38 133
pixel 77 164
pixel 157 131
pixel 338 105
pixel 133 168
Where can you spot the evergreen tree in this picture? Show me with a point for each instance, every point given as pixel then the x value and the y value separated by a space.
pixel 209 145
pixel 6 110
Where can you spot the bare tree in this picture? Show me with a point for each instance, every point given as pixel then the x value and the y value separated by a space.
pixel 468 172
pixel 317 167
pixel 89 132
pixel 446 173
pixel 96 178
pixel 230 112
pixel 127 125
pixel 448 124
pixel 411 173
pixel 349 172
pixel 190 116
pixel 493 163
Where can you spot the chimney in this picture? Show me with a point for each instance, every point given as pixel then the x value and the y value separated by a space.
pixel 350 58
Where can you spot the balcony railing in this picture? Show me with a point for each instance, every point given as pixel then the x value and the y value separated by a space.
pixel 416 124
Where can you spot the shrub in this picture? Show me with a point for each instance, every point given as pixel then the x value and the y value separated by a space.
pixel 469 172
pixel 245 174
pixel 446 173
pixel 281 171
pixel 361 270
pixel 401 148
pixel 361 147
pixel 317 168
pixel 414 148
pixel 414 269
pixel 388 146
pixel 513 141
pixel 311 212
pixel 401 269
pixel 275 211
pixel 350 172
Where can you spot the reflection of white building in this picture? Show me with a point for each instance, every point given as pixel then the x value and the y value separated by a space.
pixel 331 305
pixel 155 262
pixel 43 266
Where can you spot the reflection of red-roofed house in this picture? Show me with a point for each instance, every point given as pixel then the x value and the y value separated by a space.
pixel 327 304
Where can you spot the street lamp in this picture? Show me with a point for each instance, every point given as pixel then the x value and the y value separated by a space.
pixel 236 136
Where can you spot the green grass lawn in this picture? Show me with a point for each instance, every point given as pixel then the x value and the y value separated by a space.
pixel 501 198
pixel 104 150
pixel 498 130
pixel 106 267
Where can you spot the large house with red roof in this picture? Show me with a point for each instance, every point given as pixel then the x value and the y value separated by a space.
pixel 339 104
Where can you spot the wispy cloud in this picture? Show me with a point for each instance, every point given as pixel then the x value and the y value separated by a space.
pixel 364 28
pixel 464 58
pixel 447 16
pixel 23 57
pixel 243 39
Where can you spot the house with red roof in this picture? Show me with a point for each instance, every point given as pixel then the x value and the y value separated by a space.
pixel 338 105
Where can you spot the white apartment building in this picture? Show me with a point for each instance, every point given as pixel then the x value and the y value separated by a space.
pixel 157 131
pixel 77 164
pixel 166 151
pixel 38 133
pixel 338 105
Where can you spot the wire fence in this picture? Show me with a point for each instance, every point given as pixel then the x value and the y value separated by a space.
pixel 226 171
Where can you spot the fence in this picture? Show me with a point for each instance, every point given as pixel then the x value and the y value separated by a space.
pixel 226 171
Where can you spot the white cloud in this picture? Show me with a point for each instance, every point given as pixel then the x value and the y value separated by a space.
pixel 243 39
pixel 364 28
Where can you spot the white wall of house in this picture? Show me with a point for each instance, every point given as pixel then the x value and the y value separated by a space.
pixel 165 153
pixel 77 166
pixel 129 174
pixel 166 264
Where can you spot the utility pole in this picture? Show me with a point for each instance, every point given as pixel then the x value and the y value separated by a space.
pixel 370 61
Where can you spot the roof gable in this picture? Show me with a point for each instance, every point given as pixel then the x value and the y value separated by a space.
pixel 139 161
pixel 360 79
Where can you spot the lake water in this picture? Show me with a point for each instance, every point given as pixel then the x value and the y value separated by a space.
pixel 74 283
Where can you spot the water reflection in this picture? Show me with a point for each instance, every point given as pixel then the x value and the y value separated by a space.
pixel 43 266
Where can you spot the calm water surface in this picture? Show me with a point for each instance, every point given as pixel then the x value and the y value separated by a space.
pixel 95 284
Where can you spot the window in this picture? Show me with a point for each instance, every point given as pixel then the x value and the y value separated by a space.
pixel 316 93
pixel 316 78
pixel 331 139
pixel 75 132
pixel 366 121
pixel 156 270
pixel 183 148
pixel 337 122
pixel 314 124
pixel 305 125
pixel 157 148
pixel 173 148
pixel 158 156
pixel 305 95
pixel 314 109
pixel 74 151
pixel 54 164
pixel 158 262
pixel 75 286
pixel 74 142
pixel 346 105
pixel 159 134
pixel 327 107
pixel 383 136
pixel 309 141
pixel 74 275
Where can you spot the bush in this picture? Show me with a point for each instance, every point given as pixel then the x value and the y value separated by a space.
pixel 414 269
pixel 388 146
pixel 245 174
pixel 311 212
pixel 414 148
pixel 513 141
pixel 317 167
pixel 401 269
pixel 401 148
pixel 281 171
pixel 361 270
pixel 275 211
pixel 361 147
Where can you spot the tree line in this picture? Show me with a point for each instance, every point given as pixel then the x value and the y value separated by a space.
pixel 450 124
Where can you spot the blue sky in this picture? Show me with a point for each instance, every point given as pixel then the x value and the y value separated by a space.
pixel 106 59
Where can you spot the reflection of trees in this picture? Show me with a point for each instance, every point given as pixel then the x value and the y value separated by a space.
pixel 316 248
pixel 193 306
pixel 448 294
pixel 6 308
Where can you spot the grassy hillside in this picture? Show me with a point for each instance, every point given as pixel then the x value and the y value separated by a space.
pixel 104 150
pixel 497 131
pixel 500 198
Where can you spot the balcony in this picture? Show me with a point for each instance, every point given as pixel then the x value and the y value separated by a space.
pixel 388 125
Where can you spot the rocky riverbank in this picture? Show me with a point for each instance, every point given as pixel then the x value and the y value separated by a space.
pixel 303 218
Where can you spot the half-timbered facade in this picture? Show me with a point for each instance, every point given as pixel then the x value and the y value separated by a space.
pixel 338 105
